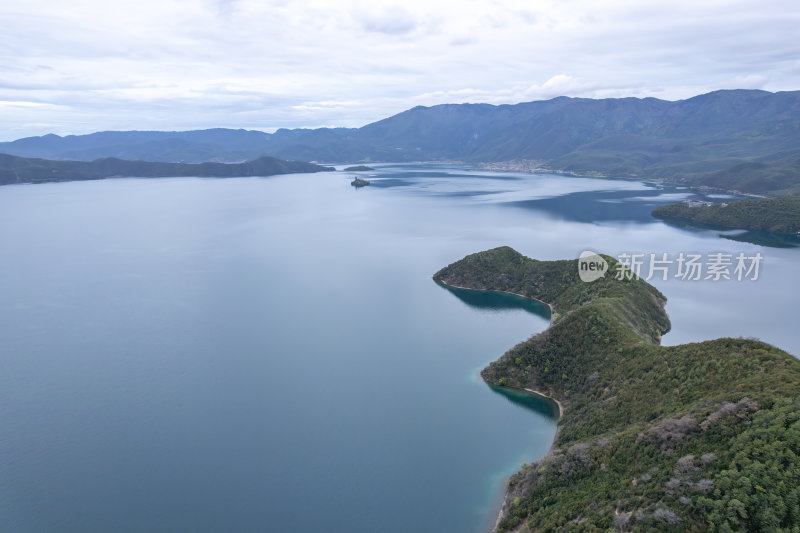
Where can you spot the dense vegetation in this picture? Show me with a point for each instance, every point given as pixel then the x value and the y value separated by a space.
pixel 779 215
pixel 742 140
pixel 698 437
pixel 23 170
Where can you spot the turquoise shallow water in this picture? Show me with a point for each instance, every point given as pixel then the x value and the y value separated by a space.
pixel 272 354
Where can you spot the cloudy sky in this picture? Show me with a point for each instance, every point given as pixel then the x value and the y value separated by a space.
pixel 87 65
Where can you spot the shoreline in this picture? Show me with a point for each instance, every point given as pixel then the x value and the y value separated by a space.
pixel 553 313
pixel 589 174
pixel 714 226
pixel 539 394
pixel 560 411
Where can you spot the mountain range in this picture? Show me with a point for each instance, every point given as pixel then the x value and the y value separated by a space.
pixel 745 140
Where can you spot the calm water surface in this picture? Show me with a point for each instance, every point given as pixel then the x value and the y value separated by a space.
pixel 271 354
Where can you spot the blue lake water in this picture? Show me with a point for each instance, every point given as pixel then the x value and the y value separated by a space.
pixel 271 354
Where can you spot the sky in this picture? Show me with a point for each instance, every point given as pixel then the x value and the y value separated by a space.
pixel 91 65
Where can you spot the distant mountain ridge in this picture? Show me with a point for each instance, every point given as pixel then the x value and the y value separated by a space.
pixel 218 145
pixel 746 140
pixel 14 169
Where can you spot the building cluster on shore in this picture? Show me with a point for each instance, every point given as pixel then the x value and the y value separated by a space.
pixel 701 203
pixel 515 165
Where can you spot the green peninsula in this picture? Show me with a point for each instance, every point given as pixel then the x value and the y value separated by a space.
pixel 697 437
pixel 778 215
pixel 15 169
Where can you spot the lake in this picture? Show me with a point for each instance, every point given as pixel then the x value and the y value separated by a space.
pixel 271 354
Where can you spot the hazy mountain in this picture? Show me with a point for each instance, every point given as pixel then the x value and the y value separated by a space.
pixel 166 146
pixel 14 169
pixel 726 139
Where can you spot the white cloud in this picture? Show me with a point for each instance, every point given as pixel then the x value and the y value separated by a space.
pixel 563 84
pixel 749 81
pixel 391 20
pixel 179 64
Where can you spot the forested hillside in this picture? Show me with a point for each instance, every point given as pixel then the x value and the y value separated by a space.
pixel 702 436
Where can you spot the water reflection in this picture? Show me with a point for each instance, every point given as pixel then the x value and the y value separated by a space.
pixel 498 301
pixel 601 206
pixel 537 404
pixel 764 238
pixel 761 238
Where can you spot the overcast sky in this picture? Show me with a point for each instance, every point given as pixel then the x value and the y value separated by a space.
pixel 89 65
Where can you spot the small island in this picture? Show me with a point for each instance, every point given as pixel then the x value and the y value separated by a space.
pixel 701 436
pixel 358 183
pixel 777 215
pixel 358 168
